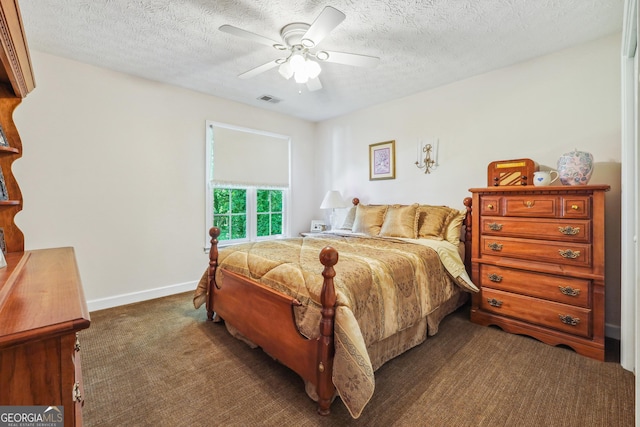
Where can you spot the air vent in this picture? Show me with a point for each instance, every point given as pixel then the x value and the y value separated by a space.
pixel 269 98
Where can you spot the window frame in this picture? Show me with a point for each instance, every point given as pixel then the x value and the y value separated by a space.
pixel 251 203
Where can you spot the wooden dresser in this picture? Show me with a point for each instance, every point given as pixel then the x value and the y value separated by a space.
pixel 538 256
pixel 42 308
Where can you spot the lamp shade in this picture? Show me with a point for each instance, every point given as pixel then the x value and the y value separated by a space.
pixel 333 200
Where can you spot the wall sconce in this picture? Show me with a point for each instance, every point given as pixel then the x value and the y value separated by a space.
pixel 427 156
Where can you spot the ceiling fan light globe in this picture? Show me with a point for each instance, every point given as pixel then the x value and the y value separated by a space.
pixel 285 70
pixel 301 76
pixel 297 62
pixel 312 68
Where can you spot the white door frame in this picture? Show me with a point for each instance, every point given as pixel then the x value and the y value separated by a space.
pixel 629 203
pixel 630 274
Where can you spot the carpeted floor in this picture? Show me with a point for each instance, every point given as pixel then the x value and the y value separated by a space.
pixel 160 363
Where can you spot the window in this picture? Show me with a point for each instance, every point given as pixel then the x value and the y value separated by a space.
pixel 247 183
pixel 269 212
pixel 231 211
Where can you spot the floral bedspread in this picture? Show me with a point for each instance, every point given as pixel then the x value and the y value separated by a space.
pixel 383 286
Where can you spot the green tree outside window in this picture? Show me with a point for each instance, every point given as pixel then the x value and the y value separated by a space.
pixel 230 212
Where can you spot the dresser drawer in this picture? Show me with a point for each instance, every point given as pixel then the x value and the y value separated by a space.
pixel 568 231
pixel 491 206
pixel 532 206
pixel 538 206
pixel 569 253
pixel 562 317
pixel 545 286
pixel 576 207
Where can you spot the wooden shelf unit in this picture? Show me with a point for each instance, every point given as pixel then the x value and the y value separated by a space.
pixel 16 81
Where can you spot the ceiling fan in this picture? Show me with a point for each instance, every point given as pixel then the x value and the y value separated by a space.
pixel 299 42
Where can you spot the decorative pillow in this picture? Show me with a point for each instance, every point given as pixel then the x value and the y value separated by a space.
pixel 369 219
pixel 433 221
pixel 348 220
pixel 400 221
pixel 454 228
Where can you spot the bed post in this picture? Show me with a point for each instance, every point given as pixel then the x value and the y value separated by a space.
pixel 325 387
pixel 467 234
pixel 214 232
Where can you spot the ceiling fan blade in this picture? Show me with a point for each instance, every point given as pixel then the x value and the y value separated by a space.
pixel 328 19
pixel 352 59
pixel 259 69
pixel 314 84
pixel 249 35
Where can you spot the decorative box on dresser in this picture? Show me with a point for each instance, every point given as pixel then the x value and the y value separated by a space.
pixel 42 305
pixel 538 257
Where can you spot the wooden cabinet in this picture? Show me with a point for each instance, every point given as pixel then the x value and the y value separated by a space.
pixel 538 257
pixel 42 307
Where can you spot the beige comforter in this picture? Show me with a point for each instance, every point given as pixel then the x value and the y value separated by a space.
pixel 383 286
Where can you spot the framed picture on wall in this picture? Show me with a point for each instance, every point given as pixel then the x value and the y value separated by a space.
pixel 382 160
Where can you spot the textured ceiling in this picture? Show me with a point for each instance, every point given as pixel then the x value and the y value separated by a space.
pixel 422 44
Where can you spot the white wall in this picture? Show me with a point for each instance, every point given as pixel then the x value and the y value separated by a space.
pixel 539 109
pixel 113 165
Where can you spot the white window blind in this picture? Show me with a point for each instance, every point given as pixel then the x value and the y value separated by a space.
pixel 249 159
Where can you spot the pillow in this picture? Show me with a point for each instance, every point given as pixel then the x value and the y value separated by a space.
pixel 454 228
pixel 400 221
pixel 369 219
pixel 347 224
pixel 433 221
pixel 466 283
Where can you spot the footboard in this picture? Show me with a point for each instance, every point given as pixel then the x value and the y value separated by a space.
pixel 266 318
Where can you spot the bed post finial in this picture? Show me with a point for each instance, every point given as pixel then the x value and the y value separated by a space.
pixel 325 387
pixel 214 232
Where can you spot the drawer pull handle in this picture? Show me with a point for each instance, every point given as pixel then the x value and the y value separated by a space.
pixel 494 302
pixel 529 203
pixel 495 246
pixel 569 230
pixel 568 253
pixel 575 207
pixel 489 206
pixel 569 291
pixel 495 278
pixel 495 226
pixel 76 347
pixel 568 320
pixel 77 394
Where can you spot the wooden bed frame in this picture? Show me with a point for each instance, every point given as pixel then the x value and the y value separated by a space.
pixel 266 316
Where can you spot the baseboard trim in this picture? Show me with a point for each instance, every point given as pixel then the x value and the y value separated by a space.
pixel 612 331
pixel 124 299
